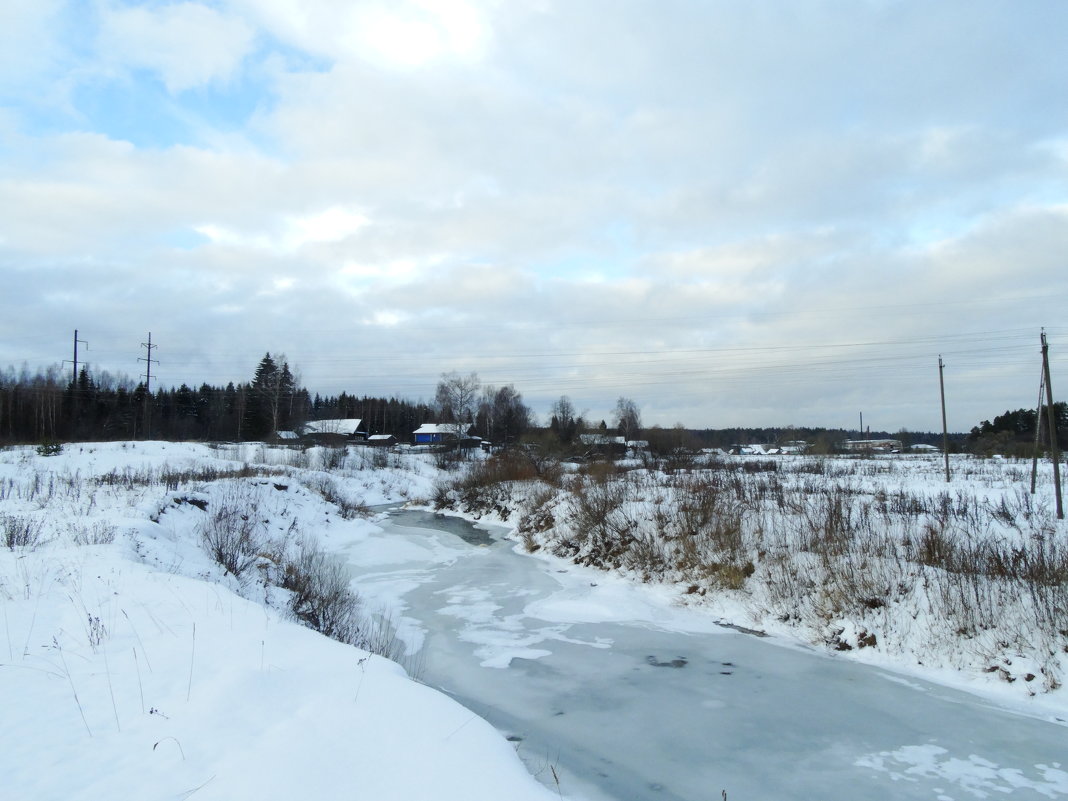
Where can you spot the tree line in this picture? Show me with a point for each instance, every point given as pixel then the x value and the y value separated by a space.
pixel 50 405
pixel 1014 433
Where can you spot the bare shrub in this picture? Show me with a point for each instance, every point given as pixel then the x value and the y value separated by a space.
pixel 99 533
pixel 232 535
pixel 322 598
pixel 602 525
pixel 537 516
pixel 704 510
pixel 334 458
pixel 759 466
pixel 380 637
pixel 448 456
pixel 21 532
pixel 172 479
pixel 830 522
pixel 546 464
pixel 331 493
pixel 728 575
pixel 506 465
pixel 934 548
pixel 488 486
pixel 601 471
pixel 706 522
pixel 647 554
pixel 442 496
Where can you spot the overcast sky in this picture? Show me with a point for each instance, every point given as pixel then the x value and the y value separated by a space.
pixel 735 213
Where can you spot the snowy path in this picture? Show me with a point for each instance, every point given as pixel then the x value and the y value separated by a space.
pixel 627 697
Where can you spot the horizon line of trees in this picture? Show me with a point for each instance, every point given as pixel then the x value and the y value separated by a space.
pixel 1015 432
pixel 49 405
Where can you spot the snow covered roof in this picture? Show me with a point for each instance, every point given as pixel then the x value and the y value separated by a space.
pixel 345 425
pixel 442 428
pixel 601 439
pixel 379 437
pixel 287 435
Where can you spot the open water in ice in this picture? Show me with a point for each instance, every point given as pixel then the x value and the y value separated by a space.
pixel 622 704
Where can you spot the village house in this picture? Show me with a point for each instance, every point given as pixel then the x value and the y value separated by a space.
pixel 436 433
pixel 872 445
pixel 381 441
pixel 338 431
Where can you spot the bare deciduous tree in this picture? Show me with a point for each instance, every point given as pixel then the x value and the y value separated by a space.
pixel 455 397
pixel 627 418
pixel 564 422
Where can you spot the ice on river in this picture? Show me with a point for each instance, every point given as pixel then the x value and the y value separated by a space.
pixel 626 696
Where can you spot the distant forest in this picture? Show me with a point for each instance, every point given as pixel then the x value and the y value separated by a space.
pixel 53 406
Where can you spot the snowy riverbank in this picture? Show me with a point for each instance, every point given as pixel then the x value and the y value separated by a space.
pixel 132 667
pixel 875 560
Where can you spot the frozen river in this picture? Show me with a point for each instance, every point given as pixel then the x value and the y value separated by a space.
pixel 626 698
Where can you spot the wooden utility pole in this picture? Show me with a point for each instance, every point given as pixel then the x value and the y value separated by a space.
pixel 1051 416
pixel 1038 431
pixel 945 428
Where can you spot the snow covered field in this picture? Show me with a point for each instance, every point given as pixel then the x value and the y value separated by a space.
pixel 132 667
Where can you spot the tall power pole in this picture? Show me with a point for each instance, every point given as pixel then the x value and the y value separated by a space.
pixel 149 361
pixel 945 429
pixel 75 398
pixel 74 374
pixel 1051 416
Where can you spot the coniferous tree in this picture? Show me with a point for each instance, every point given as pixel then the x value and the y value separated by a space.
pixel 270 396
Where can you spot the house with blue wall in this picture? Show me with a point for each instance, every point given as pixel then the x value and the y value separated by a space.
pixel 430 433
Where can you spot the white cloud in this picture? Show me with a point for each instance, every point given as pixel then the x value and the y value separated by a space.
pixel 25 35
pixel 292 233
pixel 188 44
pixel 33 59
pixel 398 33
pixel 27 38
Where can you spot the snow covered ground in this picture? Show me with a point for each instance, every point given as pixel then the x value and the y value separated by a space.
pixel 132 667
